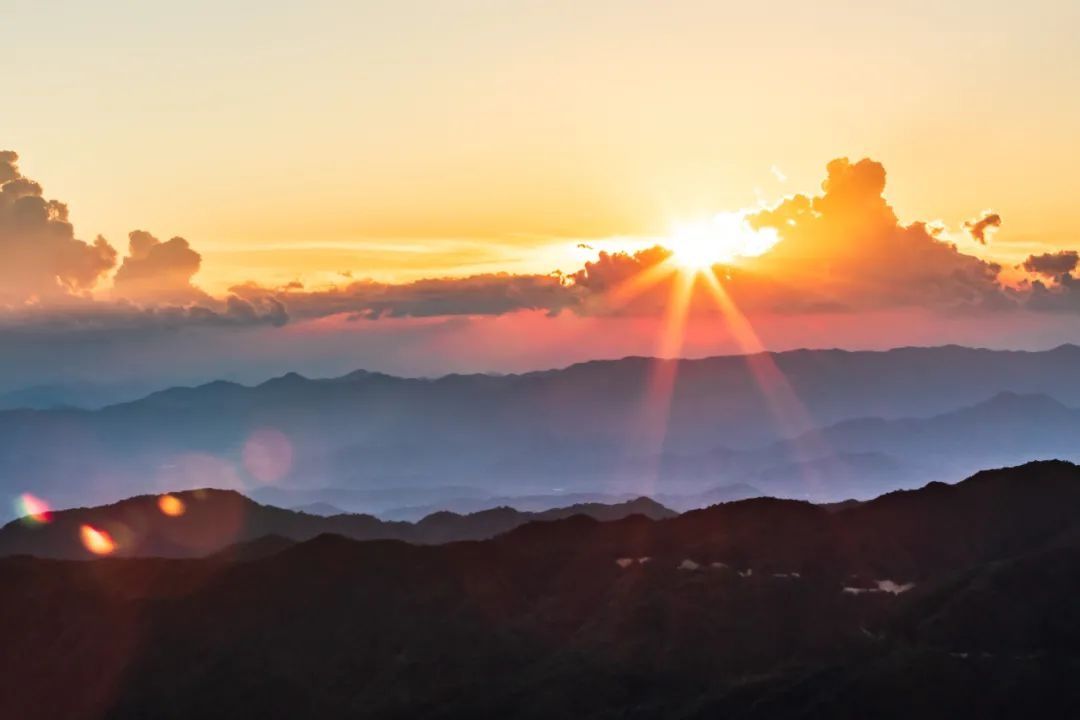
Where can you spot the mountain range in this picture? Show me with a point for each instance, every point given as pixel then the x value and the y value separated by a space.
pixel 823 425
pixel 206 521
pixel 941 602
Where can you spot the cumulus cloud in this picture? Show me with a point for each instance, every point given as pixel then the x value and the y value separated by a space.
pixel 1057 289
pixel 40 257
pixel 846 246
pixel 841 249
pixel 1052 264
pixel 1063 295
pixel 611 270
pixel 158 271
pixel 980 226
pixel 46 274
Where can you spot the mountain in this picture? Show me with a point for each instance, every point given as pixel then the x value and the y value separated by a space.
pixel 946 601
pixel 212 520
pixel 320 508
pixel 1007 429
pixel 597 427
pixel 539 503
pixel 85 395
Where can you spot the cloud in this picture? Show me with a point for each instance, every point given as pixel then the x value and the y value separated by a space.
pixel 1058 288
pixel 1052 264
pixel 491 294
pixel 46 275
pixel 83 316
pixel 1059 297
pixel 979 227
pixel 40 258
pixel 845 247
pixel 158 271
pixel 610 270
pixel 840 250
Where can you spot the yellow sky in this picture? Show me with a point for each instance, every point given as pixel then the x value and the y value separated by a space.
pixel 398 140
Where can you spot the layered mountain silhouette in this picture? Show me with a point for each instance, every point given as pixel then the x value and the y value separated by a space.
pixel 823 425
pixel 942 602
pixel 211 520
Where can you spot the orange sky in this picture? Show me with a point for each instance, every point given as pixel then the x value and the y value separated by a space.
pixel 239 189
pixel 404 140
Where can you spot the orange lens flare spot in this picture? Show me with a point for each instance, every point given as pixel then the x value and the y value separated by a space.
pixel 33 509
pixel 171 505
pixel 96 541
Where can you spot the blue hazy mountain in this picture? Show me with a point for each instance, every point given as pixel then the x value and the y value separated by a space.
pixel 841 424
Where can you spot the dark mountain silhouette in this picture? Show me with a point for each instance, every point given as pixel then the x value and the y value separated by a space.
pixel 215 519
pixel 539 503
pixel 942 602
pixel 320 508
pixel 585 428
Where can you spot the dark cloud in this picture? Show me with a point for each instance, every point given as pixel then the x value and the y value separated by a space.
pixel 610 270
pixel 982 225
pixel 1062 296
pixel 492 294
pixel 1052 264
pixel 158 271
pixel 109 318
pixel 1058 288
pixel 40 258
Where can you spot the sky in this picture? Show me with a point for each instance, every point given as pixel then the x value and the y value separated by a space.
pixel 322 186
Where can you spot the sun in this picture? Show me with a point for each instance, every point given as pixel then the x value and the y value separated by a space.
pixel 721 239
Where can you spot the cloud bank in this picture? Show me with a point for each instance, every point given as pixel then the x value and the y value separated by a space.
pixel 841 250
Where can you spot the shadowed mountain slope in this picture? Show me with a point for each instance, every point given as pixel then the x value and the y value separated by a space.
pixel 568 618
pixel 214 519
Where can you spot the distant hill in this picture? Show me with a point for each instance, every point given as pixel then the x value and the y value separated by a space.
pixel 86 396
pixel 587 428
pixel 212 520
pixel 942 602
pixel 539 503
pixel 1005 429
pixel 320 508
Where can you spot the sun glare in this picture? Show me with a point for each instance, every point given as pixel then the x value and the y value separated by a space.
pixel 723 238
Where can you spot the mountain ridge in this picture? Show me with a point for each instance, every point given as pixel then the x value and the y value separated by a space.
pixel 588 428
pixel 763 608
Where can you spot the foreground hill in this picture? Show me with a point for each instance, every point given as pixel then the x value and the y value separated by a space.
pixel 589 427
pixel 210 520
pixel 943 602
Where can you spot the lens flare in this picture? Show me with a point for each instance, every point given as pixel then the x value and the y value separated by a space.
pixel 171 505
pixel 96 541
pixel 33 509
pixel 268 455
